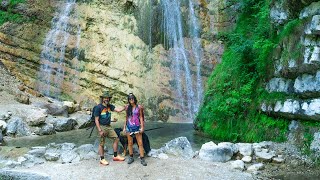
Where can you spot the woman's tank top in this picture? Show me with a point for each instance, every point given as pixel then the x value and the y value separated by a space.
pixel 133 122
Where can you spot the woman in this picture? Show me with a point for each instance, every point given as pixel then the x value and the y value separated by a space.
pixel 134 126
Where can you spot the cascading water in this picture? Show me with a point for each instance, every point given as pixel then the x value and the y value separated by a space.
pixel 53 56
pixel 174 39
pixel 194 33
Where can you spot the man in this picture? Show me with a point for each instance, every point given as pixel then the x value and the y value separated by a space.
pixel 102 116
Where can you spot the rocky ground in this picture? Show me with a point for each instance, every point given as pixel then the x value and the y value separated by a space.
pixel 296 166
pixel 172 168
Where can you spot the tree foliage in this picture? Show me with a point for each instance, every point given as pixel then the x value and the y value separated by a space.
pixel 8 14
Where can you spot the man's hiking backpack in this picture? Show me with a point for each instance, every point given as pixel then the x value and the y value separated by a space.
pixel 92 118
pixel 92 122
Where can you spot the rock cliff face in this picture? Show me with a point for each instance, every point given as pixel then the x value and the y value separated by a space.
pixel 100 49
pixel 297 73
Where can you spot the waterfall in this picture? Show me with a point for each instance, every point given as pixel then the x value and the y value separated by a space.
pixel 53 56
pixel 189 88
pixel 194 33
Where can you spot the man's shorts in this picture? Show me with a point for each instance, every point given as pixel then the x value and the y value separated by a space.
pixel 108 132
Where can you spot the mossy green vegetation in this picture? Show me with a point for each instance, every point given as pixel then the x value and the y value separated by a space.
pixel 310 128
pixel 231 109
pixel 9 14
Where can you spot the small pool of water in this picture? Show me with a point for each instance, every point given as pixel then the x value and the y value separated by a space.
pixel 157 137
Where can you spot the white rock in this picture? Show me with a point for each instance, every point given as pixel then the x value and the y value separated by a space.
pixel 3 125
pixel 233 147
pixel 211 152
pixel 247 159
pixel 237 164
pixel 277 160
pixel 245 149
pixel 264 155
pixel 163 156
pixel 315 144
pixel 255 167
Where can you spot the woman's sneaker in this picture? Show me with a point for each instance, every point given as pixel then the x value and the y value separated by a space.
pixel 143 162
pixel 130 160
pixel 104 162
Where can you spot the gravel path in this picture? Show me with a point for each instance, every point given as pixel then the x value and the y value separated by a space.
pixel 172 168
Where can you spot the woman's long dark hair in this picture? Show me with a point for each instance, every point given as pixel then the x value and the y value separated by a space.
pixel 129 109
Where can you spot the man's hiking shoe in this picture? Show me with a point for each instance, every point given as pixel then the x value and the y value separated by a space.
pixel 130 160
pixel 104 162
pixel 118 158
pixel 143 162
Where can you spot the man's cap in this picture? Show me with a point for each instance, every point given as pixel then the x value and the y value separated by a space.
pixel 106 94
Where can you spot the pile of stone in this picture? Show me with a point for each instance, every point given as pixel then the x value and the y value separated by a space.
pixel 61 153
pixel 244 156
pixel 41 119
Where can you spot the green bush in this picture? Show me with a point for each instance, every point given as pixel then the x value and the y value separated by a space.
pixel 9 15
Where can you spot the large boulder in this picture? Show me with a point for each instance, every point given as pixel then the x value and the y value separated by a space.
pixel 36 117
pixel 212 152
pixel 64 124
pixel 179 147
pixel 46 129
pixel 17 127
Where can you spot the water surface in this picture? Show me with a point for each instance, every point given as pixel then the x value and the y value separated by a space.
pixel 157 137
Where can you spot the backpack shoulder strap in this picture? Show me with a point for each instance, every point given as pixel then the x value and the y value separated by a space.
pixel 142 111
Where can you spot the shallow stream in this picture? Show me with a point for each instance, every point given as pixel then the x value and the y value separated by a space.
pixel 158 133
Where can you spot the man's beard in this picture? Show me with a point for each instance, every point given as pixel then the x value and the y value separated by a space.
pixel 106 101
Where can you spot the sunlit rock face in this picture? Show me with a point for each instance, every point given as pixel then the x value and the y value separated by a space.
pixel 98 46
pixel 297 62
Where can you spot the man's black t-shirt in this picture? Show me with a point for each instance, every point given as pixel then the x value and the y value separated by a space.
pixel 104 113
